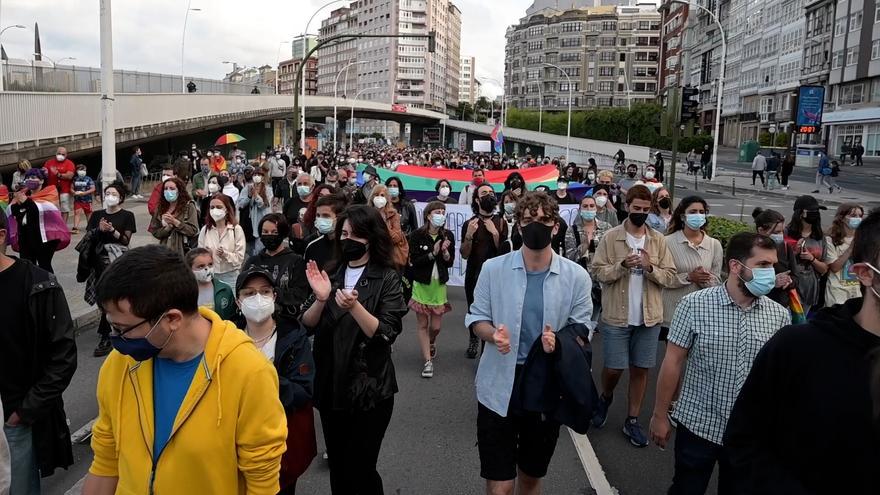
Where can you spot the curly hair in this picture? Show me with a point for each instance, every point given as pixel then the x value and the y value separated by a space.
pixel 182 197
pixel 837 232
pixel 532 201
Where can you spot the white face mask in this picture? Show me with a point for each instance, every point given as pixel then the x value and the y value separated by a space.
pixel 205 274
pixel 218 214
pixel 649 174
pixel 380 202
pixel 110 200
pixel 257 308
pixel 444 191
pixel 81 173
pixel 601 201
pixel 165 177
pixel 213 188
pixel 258 179
pixel 60 157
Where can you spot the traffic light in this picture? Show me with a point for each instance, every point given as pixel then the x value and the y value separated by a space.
pixel 432 41
pixel 688 104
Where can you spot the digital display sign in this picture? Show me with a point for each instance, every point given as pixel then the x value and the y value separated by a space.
pixel 807 129
pixel 811 102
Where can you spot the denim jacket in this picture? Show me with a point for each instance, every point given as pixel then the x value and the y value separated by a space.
pixel 498 299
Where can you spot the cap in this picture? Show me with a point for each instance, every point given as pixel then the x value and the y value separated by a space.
pixel 562 178
pixel 807 203
pixel 369 169
pixel 251 272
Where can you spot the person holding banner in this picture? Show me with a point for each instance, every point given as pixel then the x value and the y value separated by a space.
pixel 444 189
pixel 432 251
pixel 477 180
pixel 483 237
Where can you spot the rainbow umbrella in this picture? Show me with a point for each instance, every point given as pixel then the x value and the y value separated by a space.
pixel 229 138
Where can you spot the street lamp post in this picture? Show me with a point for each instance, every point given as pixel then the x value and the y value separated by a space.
pixel 278 64
pixel 720 95
pixel 336 95
pixel 108 95
pixel 183 43
pixel 540 106
pixel 492 79
pixel 303 63
pixel 568 131
pixel 351 134
pixel 14 26
pixel 54 63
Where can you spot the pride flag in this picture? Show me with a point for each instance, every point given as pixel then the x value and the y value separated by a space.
pixel 798 315
pixel 52 225
pixel 498 138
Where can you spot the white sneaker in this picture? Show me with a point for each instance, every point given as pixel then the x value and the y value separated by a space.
pixel 428 370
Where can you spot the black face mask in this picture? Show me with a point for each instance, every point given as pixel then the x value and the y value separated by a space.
pixel 487 203
pixel 664 203
pixel 222 180
pixel 631 174
pixel 515 184
pixel 536 236
pixel 638 219
pixel 812 217
pixel 271 241
pixel 353 250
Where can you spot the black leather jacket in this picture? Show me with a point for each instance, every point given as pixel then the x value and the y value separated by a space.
pixel 353 371
pixel 421 259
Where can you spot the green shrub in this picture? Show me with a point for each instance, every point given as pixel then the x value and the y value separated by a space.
pixel 695 143
pixel 765 138
pixel 723 228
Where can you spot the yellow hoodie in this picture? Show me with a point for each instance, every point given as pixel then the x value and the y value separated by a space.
pixel 227 438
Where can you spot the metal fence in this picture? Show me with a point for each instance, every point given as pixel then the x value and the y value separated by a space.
pixel 47 77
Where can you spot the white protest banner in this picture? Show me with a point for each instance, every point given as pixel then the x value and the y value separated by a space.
pixel 456 216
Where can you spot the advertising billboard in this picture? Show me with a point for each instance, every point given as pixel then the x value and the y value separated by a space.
pixel 811 101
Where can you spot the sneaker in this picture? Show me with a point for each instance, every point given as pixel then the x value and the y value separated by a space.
pixel 433 351
pixel 669 412
pixel 473 348
pixel 428 370
pixel 325 456
pixel 634 432
pixel 103 348
pixel 830 190
pixel 600 416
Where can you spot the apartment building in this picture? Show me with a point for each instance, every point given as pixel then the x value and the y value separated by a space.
pixel 673 23
pixel 852 111
pixel 608 56
pixel 287 75
pixel 468 86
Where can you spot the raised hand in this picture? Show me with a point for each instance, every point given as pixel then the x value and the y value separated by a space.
pixel 318 281
pixel 472 227
pixel 502 339
pixel 548 339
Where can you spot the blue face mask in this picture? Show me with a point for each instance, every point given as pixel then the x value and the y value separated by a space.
pixel 777 238
pixel 438 220
pixel 303 191
pixel 854 222
pixel 509 208
pixel 762 282
pixel 324 225
pixel 140 349
pixel 588 215
pixel 170 196
pixel 695 220
pixel 394 191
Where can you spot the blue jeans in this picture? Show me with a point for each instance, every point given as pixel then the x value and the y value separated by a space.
pixel 25 475
pixel 135 182
pixel 695 459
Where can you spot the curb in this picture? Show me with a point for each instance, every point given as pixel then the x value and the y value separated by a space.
pixel 85 320
pixel 717 187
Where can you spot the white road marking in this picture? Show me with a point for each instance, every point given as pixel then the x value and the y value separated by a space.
pixel 595 473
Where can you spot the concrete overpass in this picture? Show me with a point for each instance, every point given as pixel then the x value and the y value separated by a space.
pixel 33 125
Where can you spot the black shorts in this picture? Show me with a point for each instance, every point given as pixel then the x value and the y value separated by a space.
pixel 521 440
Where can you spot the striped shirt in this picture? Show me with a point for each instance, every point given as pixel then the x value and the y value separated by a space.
pixel 709 254
pixel 722 341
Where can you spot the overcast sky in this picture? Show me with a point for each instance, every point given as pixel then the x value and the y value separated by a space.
pixel 147 33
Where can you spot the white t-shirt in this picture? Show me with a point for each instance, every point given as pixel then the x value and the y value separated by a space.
pixel 636 284
pixel 352 275
pixel 268 348
pixel 206 296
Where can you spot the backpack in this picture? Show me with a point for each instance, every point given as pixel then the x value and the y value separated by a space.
pixel 826 170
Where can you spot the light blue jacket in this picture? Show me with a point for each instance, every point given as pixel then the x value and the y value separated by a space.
pixel 498 299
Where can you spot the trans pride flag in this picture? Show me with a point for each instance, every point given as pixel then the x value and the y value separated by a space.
pixel 498 138
pixel 52 226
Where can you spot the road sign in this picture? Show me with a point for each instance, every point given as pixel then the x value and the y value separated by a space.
pixel 398 108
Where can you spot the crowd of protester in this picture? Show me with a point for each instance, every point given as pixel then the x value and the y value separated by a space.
pixel 277 286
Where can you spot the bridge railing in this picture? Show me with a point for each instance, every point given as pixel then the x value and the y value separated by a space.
pixel 29 116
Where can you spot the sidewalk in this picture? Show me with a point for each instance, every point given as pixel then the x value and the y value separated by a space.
pixel 65 261
pixel 735 182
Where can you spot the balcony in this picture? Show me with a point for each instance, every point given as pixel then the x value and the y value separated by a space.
pixel 410 99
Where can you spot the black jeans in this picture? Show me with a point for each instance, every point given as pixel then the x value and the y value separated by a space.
pixel 757 173
pixel 353 440
pixel 784 180
pixel 41 254
pixel 695 459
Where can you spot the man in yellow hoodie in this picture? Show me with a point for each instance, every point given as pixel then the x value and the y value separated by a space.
pixel 186 403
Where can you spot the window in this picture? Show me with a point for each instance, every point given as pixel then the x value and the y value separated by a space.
pixel 851 94
pixel 877 13
pixel 837 59
pixel 609 26
pixel 532 74
pixel 606 71
pixel 536 30
pixel 606 41
pixel 574 86
pixel 570 57
pixel 536 45
pixel 572 71
pixel 855 21
pixel 852 55
pixel 603 101
pixel 644 25
pixel 872 140
pixel 848 134
pixel 769 46
pixel 606 56
pixel 606 86
pixel 572 27
pixel 570 42
pixel 839 27
pixel 875 50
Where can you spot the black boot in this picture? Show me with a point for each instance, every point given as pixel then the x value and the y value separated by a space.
pixel 103 348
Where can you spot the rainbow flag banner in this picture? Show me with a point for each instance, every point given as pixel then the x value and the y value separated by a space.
pixel 419 182
pixel 52 225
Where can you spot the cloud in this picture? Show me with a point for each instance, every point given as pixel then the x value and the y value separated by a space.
pixel 147 33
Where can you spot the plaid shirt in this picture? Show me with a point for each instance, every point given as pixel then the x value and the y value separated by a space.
pixel 722 341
